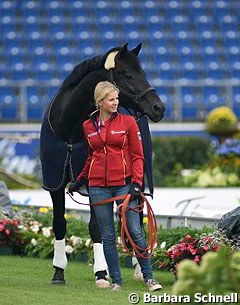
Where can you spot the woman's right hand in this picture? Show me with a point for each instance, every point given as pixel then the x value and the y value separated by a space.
pixel 75 185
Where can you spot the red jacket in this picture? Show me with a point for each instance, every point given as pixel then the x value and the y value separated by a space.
pixel 120 156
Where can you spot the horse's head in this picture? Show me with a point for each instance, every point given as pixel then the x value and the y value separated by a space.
pixel 135 91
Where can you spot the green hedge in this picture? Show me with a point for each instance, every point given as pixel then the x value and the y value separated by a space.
pixel 171 154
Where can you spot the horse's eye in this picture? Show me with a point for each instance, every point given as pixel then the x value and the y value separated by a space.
pixel 129 75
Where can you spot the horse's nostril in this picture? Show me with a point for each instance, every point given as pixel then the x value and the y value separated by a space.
pixel 156 108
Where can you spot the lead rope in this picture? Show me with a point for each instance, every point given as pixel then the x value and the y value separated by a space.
pixel 151 229
pixel 122 209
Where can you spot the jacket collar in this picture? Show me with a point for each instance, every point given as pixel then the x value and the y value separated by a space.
pixel 94 115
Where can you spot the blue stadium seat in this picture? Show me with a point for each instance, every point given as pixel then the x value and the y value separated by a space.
pixel 191 100
pixel 204 23
pixel 9 104
pixel 192 40
pixel 236 100
pixel 167 96
pixel 213 97
pixel 192 71
pixel 21 71
pixel 38 98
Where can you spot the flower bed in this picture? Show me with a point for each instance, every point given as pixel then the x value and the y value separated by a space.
pixel 10 233
pixel 31 234
pixel 190 248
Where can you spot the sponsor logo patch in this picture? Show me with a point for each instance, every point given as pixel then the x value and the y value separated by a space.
pixel 118 131
pixel 92 134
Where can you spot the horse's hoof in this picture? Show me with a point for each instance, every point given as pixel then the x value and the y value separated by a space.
pixel 58 277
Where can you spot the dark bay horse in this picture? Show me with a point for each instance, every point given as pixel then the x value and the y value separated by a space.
pixel 62 147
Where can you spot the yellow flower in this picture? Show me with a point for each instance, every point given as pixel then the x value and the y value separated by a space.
pixel 145 220
pixel 221 120
pixel 43 210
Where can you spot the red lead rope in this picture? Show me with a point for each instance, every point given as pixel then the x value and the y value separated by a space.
pixel 125 235
pixel 152 227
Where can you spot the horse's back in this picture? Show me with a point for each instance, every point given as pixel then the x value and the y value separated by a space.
pixel 58 157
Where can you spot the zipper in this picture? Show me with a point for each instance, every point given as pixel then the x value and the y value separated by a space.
pixel 105 166
pixel 90 168
pixel 105 153
pixel 124 162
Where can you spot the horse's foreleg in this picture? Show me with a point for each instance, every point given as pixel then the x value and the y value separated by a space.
pixel 59 229
pixel 100 264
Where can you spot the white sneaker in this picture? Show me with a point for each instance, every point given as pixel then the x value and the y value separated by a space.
pixel 101 283
pixel 153 285
pixel 116 287
pixel 137 275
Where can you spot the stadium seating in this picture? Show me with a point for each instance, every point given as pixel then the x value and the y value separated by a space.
pixel 195 42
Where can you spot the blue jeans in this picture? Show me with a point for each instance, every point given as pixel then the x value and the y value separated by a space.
pixel 105 219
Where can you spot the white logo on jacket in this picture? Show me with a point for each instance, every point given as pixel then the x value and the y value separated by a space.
pixel 92 134
pixel 117 131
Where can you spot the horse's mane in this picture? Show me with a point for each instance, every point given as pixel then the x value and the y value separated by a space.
pixel 84 68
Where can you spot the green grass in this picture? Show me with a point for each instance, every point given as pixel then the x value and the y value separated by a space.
pixel 26 281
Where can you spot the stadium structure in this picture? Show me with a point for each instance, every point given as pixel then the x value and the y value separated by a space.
pixel 191 50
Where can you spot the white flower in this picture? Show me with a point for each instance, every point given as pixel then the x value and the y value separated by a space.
pixel 69 249
pixel 163 245
pixel 33 241
pixel 35 228
pixel 75 240
pixel 186 172
pixel 46 231
pixel 204 179
pixel 119 240
pixel 88 242
pixel 232 178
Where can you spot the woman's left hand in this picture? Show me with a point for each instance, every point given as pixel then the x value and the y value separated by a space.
pixel 135 191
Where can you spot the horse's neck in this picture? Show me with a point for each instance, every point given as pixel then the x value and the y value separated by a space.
pixel 73 106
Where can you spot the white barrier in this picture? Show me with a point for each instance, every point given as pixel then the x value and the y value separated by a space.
pixel 198 202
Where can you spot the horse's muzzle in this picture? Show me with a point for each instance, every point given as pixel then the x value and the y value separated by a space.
pixel 158 111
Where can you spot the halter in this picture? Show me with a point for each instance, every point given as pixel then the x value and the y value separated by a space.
pixel 134 97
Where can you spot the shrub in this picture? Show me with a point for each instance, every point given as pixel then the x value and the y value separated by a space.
pixel 218 274
pixel 173 154
pixel 221 121
pixel 222 169
pixel 211 177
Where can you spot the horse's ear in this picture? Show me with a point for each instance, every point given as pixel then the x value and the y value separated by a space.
pixel 123 50
pixel 137 49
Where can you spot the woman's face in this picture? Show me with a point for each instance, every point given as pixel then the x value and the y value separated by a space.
pixel 110 103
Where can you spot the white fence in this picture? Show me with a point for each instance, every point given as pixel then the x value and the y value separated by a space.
pixel 173 207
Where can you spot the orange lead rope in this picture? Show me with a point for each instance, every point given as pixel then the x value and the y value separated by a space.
pixel 152 227
pixel 125 235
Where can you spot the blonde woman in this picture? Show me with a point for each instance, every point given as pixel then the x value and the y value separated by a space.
pixel 114 167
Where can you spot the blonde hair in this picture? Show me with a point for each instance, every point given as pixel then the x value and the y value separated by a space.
pixel 101 91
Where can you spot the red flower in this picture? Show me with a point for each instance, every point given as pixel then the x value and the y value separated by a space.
pixel 197 259
pixel 9 232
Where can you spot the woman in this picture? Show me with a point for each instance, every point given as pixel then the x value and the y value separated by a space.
pixel 114 167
